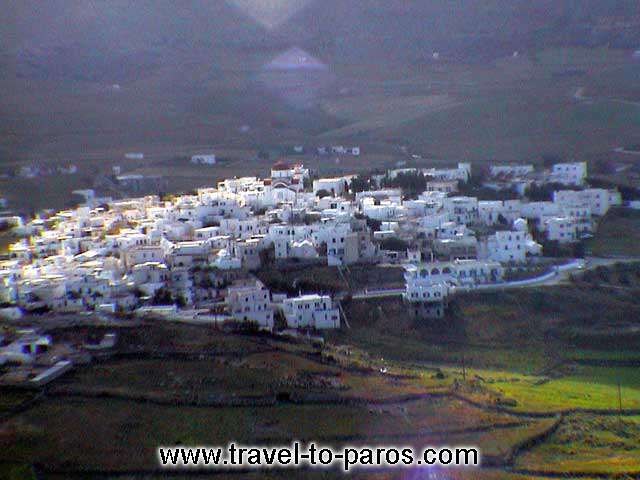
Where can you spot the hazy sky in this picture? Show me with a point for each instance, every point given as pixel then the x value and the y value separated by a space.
pixel 270 13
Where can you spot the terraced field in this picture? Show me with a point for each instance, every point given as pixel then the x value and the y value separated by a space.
pixel 538 406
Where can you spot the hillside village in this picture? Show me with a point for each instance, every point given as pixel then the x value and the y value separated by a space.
pixel 194 250
pixel 193 257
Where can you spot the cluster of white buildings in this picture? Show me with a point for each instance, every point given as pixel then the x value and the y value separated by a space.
pixel 522 176
pixel 33 171
pixel 339 150
pixel 194 250
pixel 449 222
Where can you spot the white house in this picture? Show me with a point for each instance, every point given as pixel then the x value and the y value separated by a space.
pixel 237 228
pixel 392 194
pixel 142 254
pixel 599 200
pixel 539 210
pixel 25 349
pixel 223 260
pixel 512 171
pixel 427 287
pixel 282 171
pixel 477 272
pixel 303 249
pixel 311 311
pixel 384 211
pixel 444 186
pixel 569 173
pixel 251 302
pixel 347 243
pixel 511 246
pixel 342 248
pixel 335 186
pixel 207 159
pixel 462 210
pixel 561 229
pixel 206 233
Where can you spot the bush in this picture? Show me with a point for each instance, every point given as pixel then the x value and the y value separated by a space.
pixel 411 183
pixel 360 184
pixel 544 193
pixel 242 326
pixel 162 297
pixel 394 244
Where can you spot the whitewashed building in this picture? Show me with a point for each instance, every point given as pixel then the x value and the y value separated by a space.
pixel 511 247
pixel 561 229
pixel 599 200
pixel 512 171
pixel 569 173
pixel 25 349
pixel 204 159
pixel 427 287
pixel 251 303
pixel 311 311
pixel 336 187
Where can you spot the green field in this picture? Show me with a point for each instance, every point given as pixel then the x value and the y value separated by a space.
pixel 588 444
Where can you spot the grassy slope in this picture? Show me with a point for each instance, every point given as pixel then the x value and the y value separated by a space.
pixel 520 344
pixel 618 234
pixel 494 371
pixel 588 444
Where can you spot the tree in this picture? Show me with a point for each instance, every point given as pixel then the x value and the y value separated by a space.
pixel 162 297
pixel 360 183
pixel 307 183
pixel 394 244
pixel 373 224
pixel 323 193
pixel 181 301
pixel 411 183
pixel 544 193
pixel 267 256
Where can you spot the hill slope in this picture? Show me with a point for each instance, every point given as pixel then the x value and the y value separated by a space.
pixel 89 38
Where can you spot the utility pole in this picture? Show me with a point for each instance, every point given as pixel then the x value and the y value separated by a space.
pixel 464 368
pixel 619 400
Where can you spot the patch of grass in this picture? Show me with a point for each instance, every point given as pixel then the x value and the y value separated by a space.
pixel 583 388
pixel 525 331
pixel 618 234
pixel 588 444
pixel 373 113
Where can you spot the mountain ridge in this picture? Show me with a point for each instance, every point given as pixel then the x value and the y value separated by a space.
pixel 87 39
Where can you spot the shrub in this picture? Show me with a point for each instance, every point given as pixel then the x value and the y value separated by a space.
pixel 394 244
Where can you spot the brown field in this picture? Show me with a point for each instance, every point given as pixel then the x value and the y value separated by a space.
pixel 507 110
